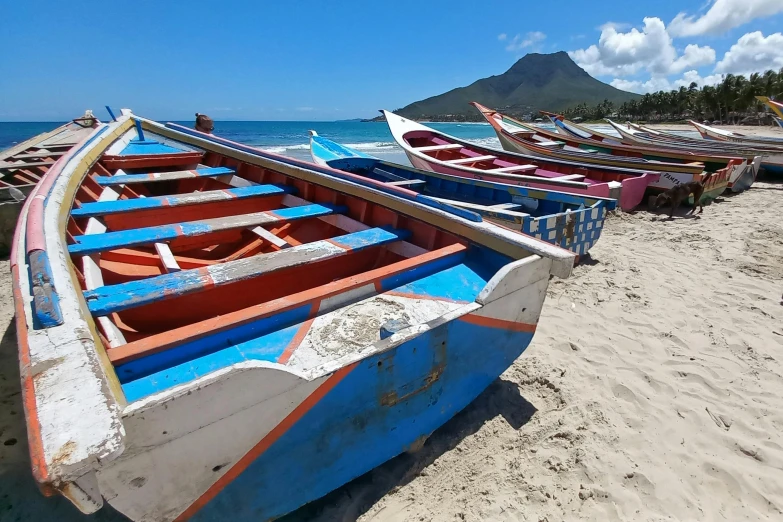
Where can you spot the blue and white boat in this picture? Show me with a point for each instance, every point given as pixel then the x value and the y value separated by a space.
pixel 570 221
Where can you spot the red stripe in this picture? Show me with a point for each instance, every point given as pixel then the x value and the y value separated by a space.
pixel 503 324
pixel 300 335
pixel 267 441
pixel 34 439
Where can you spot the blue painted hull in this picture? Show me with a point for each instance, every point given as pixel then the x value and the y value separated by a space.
pixel 571 221
pixel 385 405
pixel 772 169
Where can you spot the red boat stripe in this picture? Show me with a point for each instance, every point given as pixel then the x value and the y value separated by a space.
pixel 492 322
pixel 300 335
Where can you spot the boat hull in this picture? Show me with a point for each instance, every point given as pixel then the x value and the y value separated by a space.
pixel 629 195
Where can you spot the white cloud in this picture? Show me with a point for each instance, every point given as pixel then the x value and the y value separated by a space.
pixel 722 16
pixel 502 37
pixel 661 83
pixel 529 40
pixel 694 56
pixel 753 53
pixel 651 49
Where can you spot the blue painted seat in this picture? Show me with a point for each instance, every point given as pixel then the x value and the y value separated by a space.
pixel 94 243
pixel 124 179
pixel 115 298
pixel 103 208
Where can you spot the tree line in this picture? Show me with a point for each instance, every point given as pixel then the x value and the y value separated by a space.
pixel 733 100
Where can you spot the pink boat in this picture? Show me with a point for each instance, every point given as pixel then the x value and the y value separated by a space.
pixel 429 149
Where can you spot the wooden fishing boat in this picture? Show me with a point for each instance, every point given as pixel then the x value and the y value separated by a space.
pixel 516 136
pixel 740 179
pixel 428 149
pixel 722 135
pixel 570 221
pixel 23 165
pixel 206 333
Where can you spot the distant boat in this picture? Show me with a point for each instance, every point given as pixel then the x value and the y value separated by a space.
pixel 429 149
pixel 207 332
pixel 722 135
pixel 740 179
pixel 674 167
pixel 571 221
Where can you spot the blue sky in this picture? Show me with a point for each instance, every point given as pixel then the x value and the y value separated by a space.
pixel 308 60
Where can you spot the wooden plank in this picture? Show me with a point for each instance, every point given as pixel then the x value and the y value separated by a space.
pixel 350 225
pixel 33 164
pixel 54 146
pixel 548 143
pixel 170 264
pixel 505 206
pixel 92 244
pixel 387 175
pixel 38 155
pixel 515 168
pixel 270 237
pixel 481 208
pixel 431 148
pixel 125 179
pixel 569 177
pixel 115 298
pixel 93 278
pixel 100 208
pixel 407 182
pixel 475 159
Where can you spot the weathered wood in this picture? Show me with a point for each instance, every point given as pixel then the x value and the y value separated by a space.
pixel 100 208
pixel 167 258
pixel 115 298
pixel 569 177
pixel 407 182
pixel 433 148
pixel 91 244
pixel 30 165
pixel 270 237
pixel 162 176
pixel 483 208
pixel 515 168
pixel 38 155
pixel 474 159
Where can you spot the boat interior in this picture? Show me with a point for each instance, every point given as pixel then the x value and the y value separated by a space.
pixel 510 166
pixel 493 200
pixel 191 261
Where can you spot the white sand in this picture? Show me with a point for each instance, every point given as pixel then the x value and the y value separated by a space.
pixel 656 384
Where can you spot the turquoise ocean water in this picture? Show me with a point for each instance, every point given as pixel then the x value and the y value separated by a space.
pixel 291 138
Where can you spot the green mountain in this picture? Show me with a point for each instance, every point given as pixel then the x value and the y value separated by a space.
pixel 551 82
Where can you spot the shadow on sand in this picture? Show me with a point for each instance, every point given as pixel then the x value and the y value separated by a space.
pixel 355 498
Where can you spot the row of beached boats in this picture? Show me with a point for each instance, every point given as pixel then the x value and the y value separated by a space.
pixel 210 331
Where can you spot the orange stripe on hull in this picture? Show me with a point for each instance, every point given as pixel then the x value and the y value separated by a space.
pixel 299 337
pixel 503 324
pixel 265 443
pixel 34 440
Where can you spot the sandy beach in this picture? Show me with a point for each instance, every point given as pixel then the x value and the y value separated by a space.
pixel 651 391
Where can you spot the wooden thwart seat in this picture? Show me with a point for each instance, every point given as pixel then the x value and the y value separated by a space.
pixel 103 208
pixel 549 143
pixel 94 243
pixel 515 168
pixel 570 177
pixel 432 148
pixel 29 165
pixel 474 159
pixel 493 210
pixel 116 298
pixel 124 179
pixel 39 155
pixel 407 182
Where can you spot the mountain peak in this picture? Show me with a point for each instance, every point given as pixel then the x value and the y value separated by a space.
pixel 535 82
